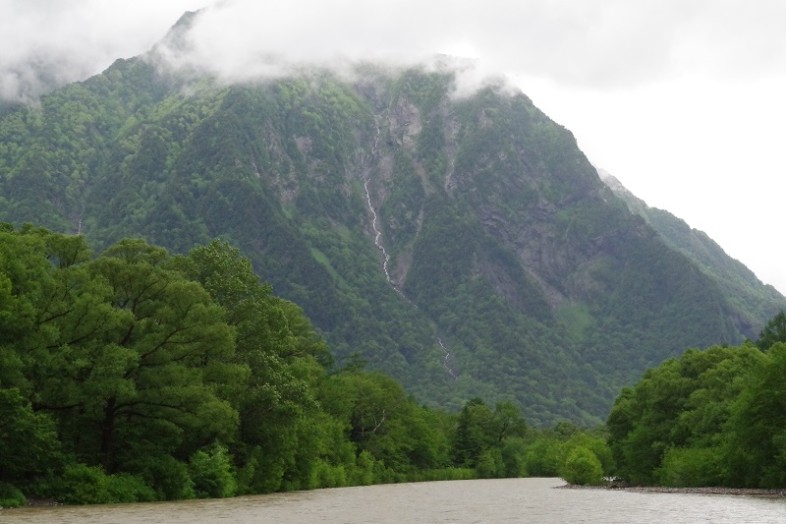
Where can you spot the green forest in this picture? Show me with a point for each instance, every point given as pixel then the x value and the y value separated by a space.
pixel 708 418
pixel 137 375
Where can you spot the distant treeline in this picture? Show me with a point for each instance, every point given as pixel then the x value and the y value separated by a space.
pixel 137 375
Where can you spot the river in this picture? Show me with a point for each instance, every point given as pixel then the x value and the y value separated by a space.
pixel 460 502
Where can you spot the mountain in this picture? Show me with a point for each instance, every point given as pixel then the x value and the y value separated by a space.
pixel 461 243
pixel 738 283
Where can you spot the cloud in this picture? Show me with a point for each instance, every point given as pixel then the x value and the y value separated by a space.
pixel 593 43
pixel 735 37
pixel 47 43
pixel 666 94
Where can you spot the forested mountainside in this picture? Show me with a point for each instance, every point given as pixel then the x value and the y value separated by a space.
pixel 462 244
pixel 737 281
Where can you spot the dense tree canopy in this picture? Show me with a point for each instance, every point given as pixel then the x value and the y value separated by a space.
pixel 137 375
pixel 774 331
pixel 707 418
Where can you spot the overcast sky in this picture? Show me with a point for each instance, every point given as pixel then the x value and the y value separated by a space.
pixel 684 101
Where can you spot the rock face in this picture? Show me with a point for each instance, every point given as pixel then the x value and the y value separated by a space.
pixel 464 245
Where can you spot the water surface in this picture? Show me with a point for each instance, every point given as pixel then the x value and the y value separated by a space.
pixel 460 502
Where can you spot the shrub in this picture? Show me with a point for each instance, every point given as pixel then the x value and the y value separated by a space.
pixel 83 484
pixel 433 475
pixel 166 475
pixel 212 472
pixel 543 457
pixel 124 487
pixel 363 470
pixel 514 457
pixel 328 476
pixel 691 467
pixel 10 496
pixel 490 464
pixel 582 467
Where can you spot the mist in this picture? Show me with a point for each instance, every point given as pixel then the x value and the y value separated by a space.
pixel 679 99
pixel 596 44
pixel 585 43
pixel 45 44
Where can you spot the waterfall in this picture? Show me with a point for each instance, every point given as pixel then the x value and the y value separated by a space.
pixel 378 239
pixel 380 245
pixel 446 359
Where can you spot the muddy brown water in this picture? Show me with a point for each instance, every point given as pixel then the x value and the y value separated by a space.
pixel 459 502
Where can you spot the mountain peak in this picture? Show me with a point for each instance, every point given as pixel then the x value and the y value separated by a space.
pixel 464 245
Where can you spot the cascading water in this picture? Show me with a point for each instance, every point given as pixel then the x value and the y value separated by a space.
pixel 380 245
pixel 378 239
pixel 446 359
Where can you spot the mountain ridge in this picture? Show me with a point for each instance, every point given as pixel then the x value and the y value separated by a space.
pixel 514 273
pixel 710 257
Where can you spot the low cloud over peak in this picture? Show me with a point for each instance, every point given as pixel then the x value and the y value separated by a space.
pixel 589 44
pixel 673 96
pixel 48 43
pixel 592 43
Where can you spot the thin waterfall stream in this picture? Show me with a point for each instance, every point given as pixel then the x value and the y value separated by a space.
pixel 378 240
pixel 380 245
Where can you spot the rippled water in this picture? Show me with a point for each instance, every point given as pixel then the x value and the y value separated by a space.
pixel 460 502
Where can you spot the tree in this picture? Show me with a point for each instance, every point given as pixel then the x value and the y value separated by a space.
pixel 137 348
pixel 774 331
pixel 508 421
pixel 211 471
pixel 757 440
pixel 28 440
pixel 482 434
pixel 283 354
pixel 684 411
pixel 475 433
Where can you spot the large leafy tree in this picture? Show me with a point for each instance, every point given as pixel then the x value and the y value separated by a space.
pixel 124 351
pixel 481 435
pixel 135 374
pixel 283 354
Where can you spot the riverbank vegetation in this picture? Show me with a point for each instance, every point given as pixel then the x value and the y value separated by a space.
pixel 136 375
pixel 708 418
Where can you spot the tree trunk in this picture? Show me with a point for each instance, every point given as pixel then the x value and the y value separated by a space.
pixel 107 435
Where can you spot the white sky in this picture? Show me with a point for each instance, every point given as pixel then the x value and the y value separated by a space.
pixel 682 100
